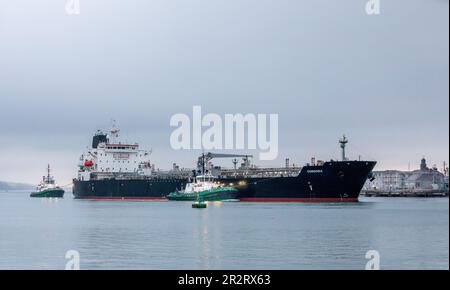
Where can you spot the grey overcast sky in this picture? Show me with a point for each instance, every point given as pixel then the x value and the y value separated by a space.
pixel 325 66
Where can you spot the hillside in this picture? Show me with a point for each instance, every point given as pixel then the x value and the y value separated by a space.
pixel 6 186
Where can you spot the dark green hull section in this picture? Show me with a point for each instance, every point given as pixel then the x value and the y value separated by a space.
pixel 199 205
pixel 57 192
pixel 217 194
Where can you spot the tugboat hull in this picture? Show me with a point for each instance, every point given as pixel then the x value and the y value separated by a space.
pixel 207 195
pixel 48 193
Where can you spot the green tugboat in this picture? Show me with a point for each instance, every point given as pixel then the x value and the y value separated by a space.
pixel 204 189
pixel 47 187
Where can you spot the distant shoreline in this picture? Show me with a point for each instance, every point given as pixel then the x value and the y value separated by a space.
pixel 400 193
pixel 14 186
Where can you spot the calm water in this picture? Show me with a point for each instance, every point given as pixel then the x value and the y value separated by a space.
pixel 408 234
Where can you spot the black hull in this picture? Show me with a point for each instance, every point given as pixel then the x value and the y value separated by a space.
pixel 333 181
pixel 152 188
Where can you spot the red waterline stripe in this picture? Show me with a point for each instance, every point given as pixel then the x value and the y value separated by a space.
pixel 252 199
pixel 299 199
pixel 124 197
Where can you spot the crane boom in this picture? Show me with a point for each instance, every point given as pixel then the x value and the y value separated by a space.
pixel 210 155
pixel 205 158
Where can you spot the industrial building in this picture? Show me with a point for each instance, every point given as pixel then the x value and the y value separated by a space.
pixel 421 179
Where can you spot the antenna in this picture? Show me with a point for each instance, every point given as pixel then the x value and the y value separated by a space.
pixel 203 163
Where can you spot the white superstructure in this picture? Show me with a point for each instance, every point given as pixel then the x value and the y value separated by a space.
pixel 48 182
pixel 201 183
pixel 109 157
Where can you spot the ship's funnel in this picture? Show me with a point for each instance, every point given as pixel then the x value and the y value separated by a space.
pixel 98 138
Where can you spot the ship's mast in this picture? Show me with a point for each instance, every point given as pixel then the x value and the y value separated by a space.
pixel 343 141
pixel 48 173
pixel 114 133
pixel 235 162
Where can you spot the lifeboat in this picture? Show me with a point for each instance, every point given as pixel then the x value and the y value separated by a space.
pixel 88 163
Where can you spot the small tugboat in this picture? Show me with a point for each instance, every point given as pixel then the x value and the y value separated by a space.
pixel 200 203
pixel 47 187
pixel 204 188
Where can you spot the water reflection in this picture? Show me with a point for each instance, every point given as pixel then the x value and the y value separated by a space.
pixel 232 235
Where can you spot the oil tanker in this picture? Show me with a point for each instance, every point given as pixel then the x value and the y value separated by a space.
pixel 111 169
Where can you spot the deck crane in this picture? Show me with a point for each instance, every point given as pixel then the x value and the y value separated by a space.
pixel 205 158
